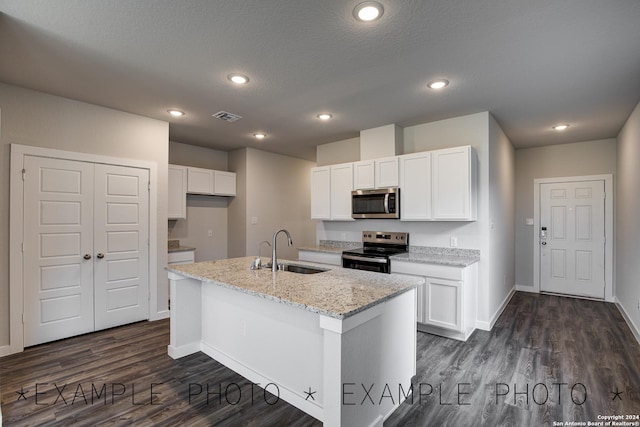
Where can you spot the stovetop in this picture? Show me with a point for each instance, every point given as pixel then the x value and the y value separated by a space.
pixel 376 251
pixel 381 244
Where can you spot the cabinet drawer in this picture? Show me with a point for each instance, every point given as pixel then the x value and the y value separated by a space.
pixel 429 270
pixel 182 257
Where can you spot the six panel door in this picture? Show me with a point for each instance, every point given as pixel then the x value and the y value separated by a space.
pixel 572 246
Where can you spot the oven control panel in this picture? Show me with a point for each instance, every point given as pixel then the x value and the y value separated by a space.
pixel 388 237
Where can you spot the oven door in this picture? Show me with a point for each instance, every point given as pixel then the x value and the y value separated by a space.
pixel 359 262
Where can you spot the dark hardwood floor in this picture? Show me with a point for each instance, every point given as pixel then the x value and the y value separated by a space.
pixel 547 359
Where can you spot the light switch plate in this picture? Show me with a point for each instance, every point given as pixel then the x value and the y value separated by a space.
pixel 528 221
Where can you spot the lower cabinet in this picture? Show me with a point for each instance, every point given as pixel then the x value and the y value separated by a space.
pixel 446 303
pixel 320 257
pixel 181 257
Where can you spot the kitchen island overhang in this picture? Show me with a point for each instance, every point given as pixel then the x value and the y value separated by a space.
pixel 326 343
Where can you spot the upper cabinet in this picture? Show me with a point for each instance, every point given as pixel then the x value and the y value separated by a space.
pixel 439 185
pixel 177 198
pixel 378 173
pixel 211 182
pixel 331 188
pixel 415 187
pixel 453 184
pixel 183 180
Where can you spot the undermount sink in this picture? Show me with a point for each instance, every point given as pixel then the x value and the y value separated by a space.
pixel 300 269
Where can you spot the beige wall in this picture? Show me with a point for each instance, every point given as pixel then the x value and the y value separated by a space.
pixel 38 119
pixel 627 219
pixel 276 194
pixel 204 213
pixel 344 151
pixel 577 159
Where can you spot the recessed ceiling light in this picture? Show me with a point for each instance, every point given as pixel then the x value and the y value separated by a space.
pixel 175 113
pixel 438 84
pixel 260 135
pixel 239 79
pixel 324 116
pixel 368 11
pixel 560 127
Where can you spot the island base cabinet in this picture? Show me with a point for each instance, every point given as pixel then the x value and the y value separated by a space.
pixel 323 365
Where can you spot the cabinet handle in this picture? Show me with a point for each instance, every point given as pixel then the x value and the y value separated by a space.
pixel 86 256
pixel 100 255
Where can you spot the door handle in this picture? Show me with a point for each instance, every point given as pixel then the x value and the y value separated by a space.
pixel 100 255
pixel 86 256
pixel 543 243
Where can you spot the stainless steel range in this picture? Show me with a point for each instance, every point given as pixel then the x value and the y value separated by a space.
pixel 378 246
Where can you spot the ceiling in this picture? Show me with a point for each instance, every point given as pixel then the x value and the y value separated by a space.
pixel 530 63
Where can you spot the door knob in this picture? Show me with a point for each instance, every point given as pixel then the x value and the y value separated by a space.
pixel 86 256
pixel 100 255
pixel 543 243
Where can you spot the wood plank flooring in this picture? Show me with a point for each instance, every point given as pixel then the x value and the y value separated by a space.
pixel 542 355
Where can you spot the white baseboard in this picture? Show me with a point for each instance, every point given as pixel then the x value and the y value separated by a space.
pixel 5 350
pixel 183 350
pixel 487 326
pixel 634 328
pixel 530 289
pixel 164 314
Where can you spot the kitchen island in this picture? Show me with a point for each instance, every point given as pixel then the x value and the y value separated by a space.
pixel 339 345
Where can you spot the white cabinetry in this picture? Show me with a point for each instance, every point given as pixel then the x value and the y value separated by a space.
pixel 453 184
pixel 320 257
pixel 211 182
pixel 447 300
pixel 199 181
pixel 331 188
pixel 439 185
pixel 181 257
pixel 224 183
pixel 177 199
pixel 379 173
pixel 415 186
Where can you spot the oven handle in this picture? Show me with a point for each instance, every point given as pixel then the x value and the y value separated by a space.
pixel 386 203
pixel 365 259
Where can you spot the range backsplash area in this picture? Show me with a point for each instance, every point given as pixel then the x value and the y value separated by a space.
pixel 424 234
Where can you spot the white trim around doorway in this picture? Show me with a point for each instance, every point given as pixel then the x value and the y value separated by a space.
pixel 16 221
pixel 608 229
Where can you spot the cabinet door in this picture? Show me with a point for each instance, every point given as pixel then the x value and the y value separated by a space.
pixel 443 304
pixel 341 187
pixel 199 181
pixel 452 188
pixel 415 185
pixel 386 172
pixel 364 175
pixel 321 193
pixel 177 199
pixel 224 183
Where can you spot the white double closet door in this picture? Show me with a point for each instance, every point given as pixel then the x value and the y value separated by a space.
pixel 86 254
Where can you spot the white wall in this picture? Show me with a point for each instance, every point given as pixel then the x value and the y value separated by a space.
pixel 577 159
pixel 627 219
pixel 38 119
pixel 495 198
pixel 204 213
pixel 274 191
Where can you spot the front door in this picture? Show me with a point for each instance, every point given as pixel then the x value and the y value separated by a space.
pixel 572 238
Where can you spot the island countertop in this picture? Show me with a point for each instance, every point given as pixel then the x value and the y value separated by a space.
pixel 337 292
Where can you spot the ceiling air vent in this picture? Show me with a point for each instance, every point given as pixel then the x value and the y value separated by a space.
pixel 227 117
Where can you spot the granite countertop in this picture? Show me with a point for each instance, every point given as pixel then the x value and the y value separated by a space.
pixel 181 249
pixel 322 248
pixel 332 246
pixel 337 292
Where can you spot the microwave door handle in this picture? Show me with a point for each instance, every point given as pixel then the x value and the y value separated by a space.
pixel 386 203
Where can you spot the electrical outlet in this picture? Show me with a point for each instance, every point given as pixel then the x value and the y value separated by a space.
pixel 453 242
pixel 210 233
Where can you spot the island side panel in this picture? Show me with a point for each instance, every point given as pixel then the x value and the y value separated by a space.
pixel 186 320
pixel 370 359
pixel 272 344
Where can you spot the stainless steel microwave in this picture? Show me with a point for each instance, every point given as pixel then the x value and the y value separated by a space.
pixel 381 203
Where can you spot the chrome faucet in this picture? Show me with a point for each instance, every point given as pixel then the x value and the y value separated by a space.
pixel 274 252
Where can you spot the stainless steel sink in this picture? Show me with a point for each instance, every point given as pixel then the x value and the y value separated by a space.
pixel 300 269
